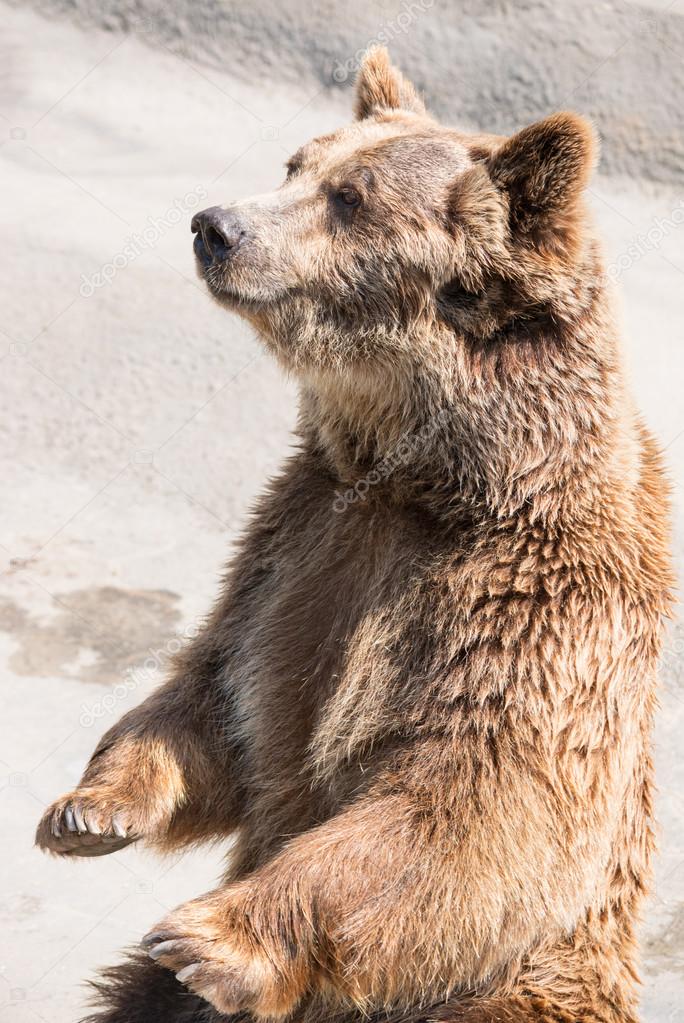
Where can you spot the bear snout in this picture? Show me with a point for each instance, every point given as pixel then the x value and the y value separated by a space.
pixel 218 234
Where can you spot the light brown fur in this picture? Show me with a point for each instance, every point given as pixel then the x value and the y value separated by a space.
pixel 423 704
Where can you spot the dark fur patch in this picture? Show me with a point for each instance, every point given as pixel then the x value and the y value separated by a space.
pixel 139 991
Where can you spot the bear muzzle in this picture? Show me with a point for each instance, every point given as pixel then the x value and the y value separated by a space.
pixel 218 235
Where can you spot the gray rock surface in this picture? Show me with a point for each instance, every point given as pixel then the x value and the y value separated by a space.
pixel 139 421
pixel 493 63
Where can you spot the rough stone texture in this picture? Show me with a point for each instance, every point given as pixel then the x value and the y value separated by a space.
pixel 492 63
pixel 139 422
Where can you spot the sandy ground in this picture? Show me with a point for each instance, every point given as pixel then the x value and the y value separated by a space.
pixel 137 423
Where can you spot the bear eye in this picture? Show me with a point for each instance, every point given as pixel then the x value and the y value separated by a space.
pixel 348 197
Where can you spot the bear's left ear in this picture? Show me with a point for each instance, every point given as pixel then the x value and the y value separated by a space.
pixel 544 169
pixel 379 86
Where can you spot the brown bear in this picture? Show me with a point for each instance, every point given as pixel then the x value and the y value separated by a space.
pixel 423 702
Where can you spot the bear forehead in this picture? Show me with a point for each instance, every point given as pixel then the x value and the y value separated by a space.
pixel 409 149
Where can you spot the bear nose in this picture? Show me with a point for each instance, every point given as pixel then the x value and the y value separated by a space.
pixel 220 232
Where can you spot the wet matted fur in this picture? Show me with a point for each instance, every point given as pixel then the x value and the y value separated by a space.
pixel 423 702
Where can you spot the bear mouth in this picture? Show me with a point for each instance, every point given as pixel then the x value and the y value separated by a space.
pixel 220 279
pixel 214 276
pixel 213 272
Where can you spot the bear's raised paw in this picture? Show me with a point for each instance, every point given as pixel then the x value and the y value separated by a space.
pixel 85 824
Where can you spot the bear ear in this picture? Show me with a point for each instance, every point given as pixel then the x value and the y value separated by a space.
pixel 379 86
pixel 544 169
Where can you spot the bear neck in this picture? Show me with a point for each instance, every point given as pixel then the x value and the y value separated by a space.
pixel 519 421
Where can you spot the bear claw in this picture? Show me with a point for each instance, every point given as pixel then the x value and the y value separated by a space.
pixel 160 949
pixel 118 827
pixel 187 972
pixel 153 938
pixel 78 826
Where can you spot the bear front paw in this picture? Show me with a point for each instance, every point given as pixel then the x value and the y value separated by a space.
pixel 205 945
pixel 87 823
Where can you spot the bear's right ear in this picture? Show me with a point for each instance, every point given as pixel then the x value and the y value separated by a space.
pixel 544 169
pixel 380 86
